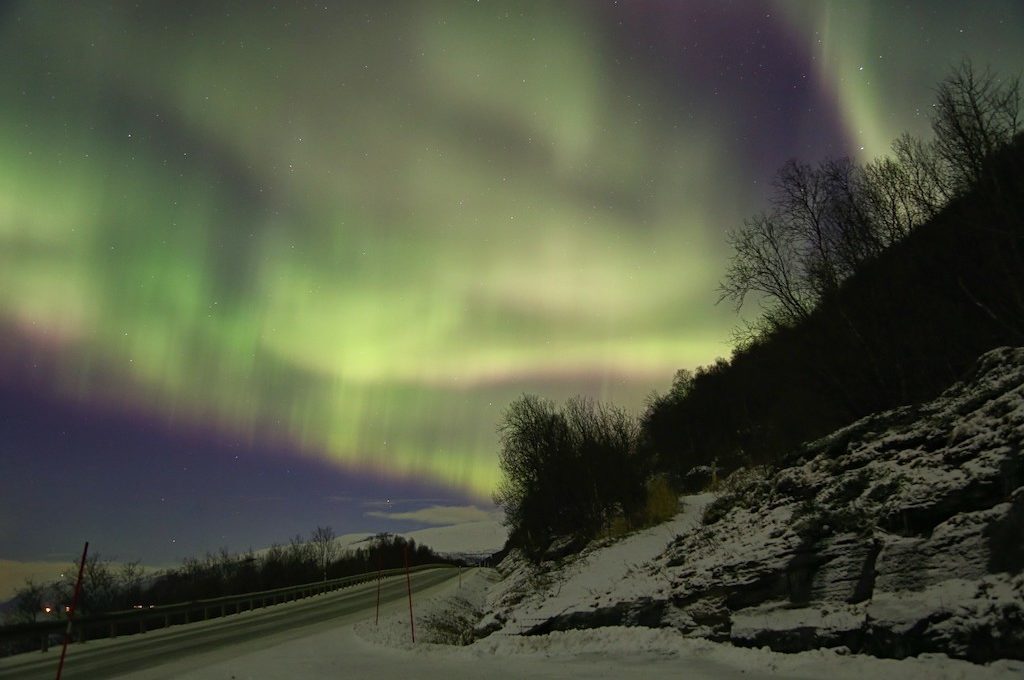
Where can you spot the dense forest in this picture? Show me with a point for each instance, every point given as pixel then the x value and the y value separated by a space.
pixel 878 285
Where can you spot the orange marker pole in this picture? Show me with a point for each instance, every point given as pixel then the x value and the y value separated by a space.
pixel 71 611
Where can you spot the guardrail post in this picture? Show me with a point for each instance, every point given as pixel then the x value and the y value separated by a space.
pixel 408 584
pixel 376 617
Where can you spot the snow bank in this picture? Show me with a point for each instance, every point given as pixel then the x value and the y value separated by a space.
pixel 630 652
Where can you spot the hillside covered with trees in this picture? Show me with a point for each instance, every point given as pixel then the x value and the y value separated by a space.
pixel 878 285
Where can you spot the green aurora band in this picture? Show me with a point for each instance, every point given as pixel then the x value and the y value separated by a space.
pixel 363 235
pixel 882 60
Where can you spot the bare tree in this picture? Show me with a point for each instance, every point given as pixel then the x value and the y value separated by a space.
pixel 99 585
pixel 326 549
pixel 929 180
pixel 975 114
pixel 767 262
pixel 802 201
pixel 826 221
pixel 300 550
pixel 28 603
pixel 130 581
pixel 820 229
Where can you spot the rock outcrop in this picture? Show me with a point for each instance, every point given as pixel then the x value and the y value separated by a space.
pixel 900 534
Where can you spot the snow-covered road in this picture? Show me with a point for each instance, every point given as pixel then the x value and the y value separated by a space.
pixel 195 645
pixel 345 652
pixel 356 648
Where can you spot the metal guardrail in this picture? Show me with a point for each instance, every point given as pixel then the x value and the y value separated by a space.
pixel 134 621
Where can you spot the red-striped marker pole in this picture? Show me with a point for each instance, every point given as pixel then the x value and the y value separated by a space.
pixel 71 611
pixel 408 585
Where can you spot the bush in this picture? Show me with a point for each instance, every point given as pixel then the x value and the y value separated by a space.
pixel 746 487
pixel 454 625
pixel 567 472
pixel 719 508
pixel 662 503
pixel 699 478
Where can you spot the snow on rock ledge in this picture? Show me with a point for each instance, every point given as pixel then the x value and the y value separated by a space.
pixel 898 535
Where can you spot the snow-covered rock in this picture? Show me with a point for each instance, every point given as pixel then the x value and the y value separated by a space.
pixel 901 534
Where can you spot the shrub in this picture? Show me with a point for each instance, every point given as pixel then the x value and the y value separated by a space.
pixel 454 625
pixel 719 508
pixel 746 487
pixel 662 504
pixel 699 478
pixel 566 471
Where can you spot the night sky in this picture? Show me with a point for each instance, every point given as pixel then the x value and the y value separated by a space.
pixel 263 268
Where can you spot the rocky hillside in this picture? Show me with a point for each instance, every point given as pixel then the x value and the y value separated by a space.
pixel 900 534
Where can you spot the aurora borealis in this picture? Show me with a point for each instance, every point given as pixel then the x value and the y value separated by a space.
pixel 260 264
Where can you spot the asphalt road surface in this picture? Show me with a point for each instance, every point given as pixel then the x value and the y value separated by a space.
pixel 109 658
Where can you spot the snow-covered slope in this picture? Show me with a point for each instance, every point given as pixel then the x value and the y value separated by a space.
pixel 382 649
pixel 899 535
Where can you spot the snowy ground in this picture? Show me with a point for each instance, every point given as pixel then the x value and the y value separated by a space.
pixel 361 649
pixel 606 571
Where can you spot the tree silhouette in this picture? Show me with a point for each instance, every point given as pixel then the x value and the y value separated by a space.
pixel 975 114
pixel 568 471
pixel 326 550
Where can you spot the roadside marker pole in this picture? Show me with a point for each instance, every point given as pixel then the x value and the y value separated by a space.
pixel 408 586
pixel 71 611
pixel 376 618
